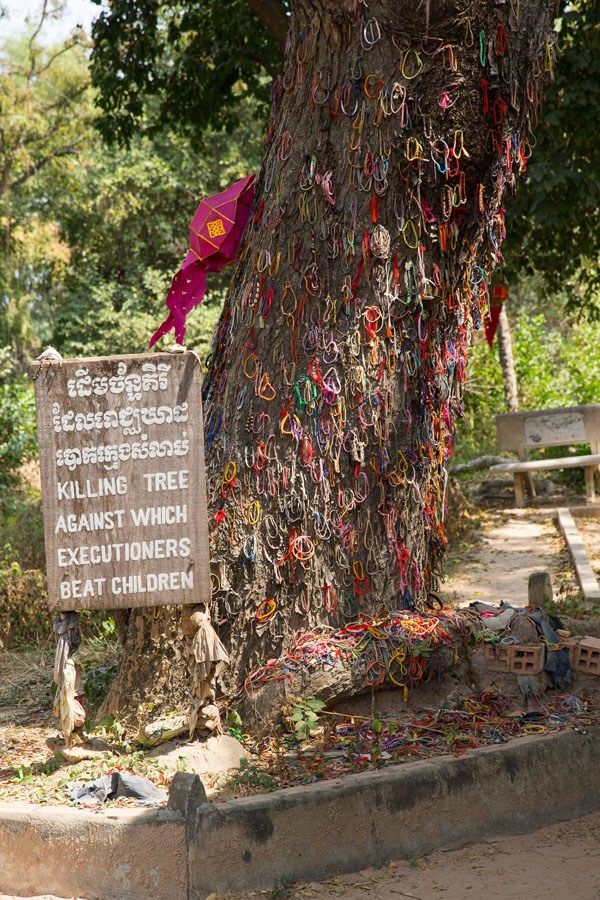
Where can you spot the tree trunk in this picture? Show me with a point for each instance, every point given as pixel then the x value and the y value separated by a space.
pixel 507 362
pixel 338 364
pixel 152 677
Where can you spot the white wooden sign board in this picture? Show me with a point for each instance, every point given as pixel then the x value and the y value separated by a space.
pixel 123 481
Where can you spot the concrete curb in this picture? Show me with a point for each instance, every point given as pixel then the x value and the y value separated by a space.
pixel 302 833
pixel 125 853
pixel 581 563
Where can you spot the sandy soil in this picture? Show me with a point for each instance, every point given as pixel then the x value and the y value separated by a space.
pixel 554 863
pixel 508 546
pixel 513 543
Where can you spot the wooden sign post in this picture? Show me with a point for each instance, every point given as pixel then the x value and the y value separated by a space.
pixel 124 492
pixel 123 481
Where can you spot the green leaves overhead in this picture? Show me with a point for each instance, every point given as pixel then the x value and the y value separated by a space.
pixel 91 235
pixel 554 220
pixel 185 65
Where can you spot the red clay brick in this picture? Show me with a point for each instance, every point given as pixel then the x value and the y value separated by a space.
pixel 570 644
pixel 587 656
pixel 496 656
pixel 526 659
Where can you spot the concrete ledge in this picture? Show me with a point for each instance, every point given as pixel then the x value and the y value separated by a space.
pixel 302 833
pixel 583 569
pixel 124 854
pixel 308 833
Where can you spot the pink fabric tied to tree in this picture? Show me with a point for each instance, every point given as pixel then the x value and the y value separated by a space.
pixel 215 234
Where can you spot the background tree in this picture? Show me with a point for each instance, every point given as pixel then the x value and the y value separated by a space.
pixel 90 236
pixel 185 64
pixel 44 101
pixel 553 223
pixel 337 367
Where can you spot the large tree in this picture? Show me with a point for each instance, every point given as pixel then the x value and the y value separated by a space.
pixel 338 364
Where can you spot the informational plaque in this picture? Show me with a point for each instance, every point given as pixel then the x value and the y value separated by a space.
pixel 556 429
pixel 123 481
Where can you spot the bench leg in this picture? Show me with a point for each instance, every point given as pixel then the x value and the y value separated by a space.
pixel 527 477
pixel 590 487
pixel 519 489
pixel 530 484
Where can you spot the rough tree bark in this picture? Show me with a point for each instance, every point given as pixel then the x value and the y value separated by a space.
pixel 338 364
pixel 507 362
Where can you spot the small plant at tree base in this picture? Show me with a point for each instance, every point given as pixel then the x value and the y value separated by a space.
pixel 112 731
pixel 97 682
pixel 305 716
pixel 235 729
pixel 252 775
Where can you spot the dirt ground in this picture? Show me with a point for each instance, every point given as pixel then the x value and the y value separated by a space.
pixel 511 544
pixel 492 563
pixel 590 530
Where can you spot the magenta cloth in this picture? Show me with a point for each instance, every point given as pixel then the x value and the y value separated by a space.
pixel 215 234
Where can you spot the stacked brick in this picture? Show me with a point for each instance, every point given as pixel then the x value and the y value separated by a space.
pixel 518 659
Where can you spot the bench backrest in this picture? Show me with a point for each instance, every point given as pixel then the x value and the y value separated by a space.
pixel 525 431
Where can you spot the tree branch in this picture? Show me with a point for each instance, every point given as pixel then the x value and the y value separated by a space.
pixel 272 14
pixel 39 164
pixel 68 45
pixel 480 462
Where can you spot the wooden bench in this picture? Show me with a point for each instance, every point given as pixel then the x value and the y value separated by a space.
pixel 524 431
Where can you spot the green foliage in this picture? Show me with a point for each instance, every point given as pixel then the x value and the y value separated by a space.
pixel 96 236
pixel 250 774
pixel 158 65
pixel 554 219
pixel 555 366
pixel 27 774
pixel 184 65
pixel 305 716
pixel 45 111
pixel 24 615
pixel 25 618
pixel 17 431
pixel 97 682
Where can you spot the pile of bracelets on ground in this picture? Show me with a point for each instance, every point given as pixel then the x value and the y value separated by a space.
pixel 353 743
pixel 478 721
pixel 393 648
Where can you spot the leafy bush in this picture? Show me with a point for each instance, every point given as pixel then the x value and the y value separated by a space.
pixel 17 429
pixel 26 620
pixel 555 366
pixel 22 527
pixel 24 615
pixel 305 716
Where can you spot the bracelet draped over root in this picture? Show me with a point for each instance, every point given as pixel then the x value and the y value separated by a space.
pixel 400 649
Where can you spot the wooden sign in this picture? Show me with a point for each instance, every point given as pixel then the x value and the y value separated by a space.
pixel 123 481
